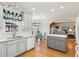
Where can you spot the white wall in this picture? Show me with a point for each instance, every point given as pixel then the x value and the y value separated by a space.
pixel 44 26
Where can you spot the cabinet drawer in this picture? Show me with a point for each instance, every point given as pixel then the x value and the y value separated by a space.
pixel 3 43
pixel 57 37
pixel 22 40
pixel 49 37
pixel 11 42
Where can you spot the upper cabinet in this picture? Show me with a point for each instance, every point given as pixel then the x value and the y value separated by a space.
pixel 10 19
pixel 1 19
pixel 15 19
pixel 27 18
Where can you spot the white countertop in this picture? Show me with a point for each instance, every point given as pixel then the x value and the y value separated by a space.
pixel 9 39
pixel 28 36
pixel 57 35
pixel 3 40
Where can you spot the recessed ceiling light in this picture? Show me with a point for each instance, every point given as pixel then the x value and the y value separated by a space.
pixel 33 8
pixel 61 7
pixel 52 10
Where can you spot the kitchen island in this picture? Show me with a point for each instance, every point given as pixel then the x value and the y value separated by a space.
pixel 57 41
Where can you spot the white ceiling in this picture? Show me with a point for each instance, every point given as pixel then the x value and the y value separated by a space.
pixel 43 9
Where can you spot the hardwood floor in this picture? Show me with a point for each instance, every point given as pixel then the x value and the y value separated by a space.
pixel 41 50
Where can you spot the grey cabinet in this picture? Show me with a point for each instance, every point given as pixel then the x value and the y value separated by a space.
pixel 49 43
pixel 12 48
pixel 22 45
pixel 62 45
pixel 53 42
pixel 58 43
pixel 3 49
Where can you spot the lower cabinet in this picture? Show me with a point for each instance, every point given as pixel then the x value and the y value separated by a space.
pixel 63 45
pixel 22 45
pixel 30 43
pixel 49 43
pixel 15 47
pixel 57 43
pixel 53 43
pixel 12 48
pixel 3 49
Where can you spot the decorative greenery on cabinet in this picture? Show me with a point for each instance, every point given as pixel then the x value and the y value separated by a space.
pixel 7 14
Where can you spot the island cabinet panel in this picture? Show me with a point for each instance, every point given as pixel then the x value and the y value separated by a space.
pixel 49 42
pixel 63 46
pixel 53 43
pixel 58 43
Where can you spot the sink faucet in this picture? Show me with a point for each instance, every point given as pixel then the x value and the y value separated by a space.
pixel 13 35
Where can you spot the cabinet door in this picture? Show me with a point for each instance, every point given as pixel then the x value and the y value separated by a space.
pixel 53 42
pixel 63 45
pixel 3 49
pixel 49 42
pixel 28 27
pixel 12 48
pixel 22 45
pixel 33 38
pixel 60 44
pixel 30 43
pixel 57 43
